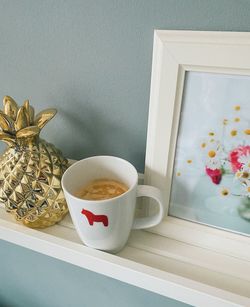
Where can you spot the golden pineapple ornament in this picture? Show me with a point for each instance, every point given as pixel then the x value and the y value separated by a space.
pixel 30 168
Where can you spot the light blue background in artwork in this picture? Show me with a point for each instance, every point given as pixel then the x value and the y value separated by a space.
pixel 92 61
pixel 208 100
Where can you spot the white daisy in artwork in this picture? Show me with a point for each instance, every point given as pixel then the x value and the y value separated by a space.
pixel 245 161
pixel 213 164
pixel 224 191
pixel 236 131
pixel 247 188
pixel 213 154
pixel 243 176
pixel 242 173
pixel 214 160
pixel 247 131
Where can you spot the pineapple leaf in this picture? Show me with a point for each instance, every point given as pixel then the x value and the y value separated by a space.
pixel 28 132
pixel 43 117
pixel 31 115
pixel 10 107
pixel 30 112
pixel 26 106
pixel 7 138
pixel 6 122
pixel 21 119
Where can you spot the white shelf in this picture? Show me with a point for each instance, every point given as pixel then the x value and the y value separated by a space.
pixel 180 271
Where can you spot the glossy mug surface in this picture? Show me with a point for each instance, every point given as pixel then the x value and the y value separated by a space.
pixel 106 224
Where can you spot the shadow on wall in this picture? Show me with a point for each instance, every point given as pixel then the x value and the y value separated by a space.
pixel 91 131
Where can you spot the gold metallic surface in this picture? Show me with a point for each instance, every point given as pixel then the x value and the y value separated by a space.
pixel 44 116
pixel 10 107
pixel 6 122
pixel 30 168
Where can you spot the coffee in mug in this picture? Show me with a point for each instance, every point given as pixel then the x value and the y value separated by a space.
pixel 100 189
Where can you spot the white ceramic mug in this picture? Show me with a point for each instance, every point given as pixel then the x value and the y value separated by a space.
pixel 106 224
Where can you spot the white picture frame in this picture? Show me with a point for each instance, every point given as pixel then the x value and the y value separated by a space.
pixel 174 54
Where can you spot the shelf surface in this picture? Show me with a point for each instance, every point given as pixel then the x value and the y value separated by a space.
pixel 171 268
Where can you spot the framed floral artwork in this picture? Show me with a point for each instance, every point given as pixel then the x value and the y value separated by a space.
pixel 198 144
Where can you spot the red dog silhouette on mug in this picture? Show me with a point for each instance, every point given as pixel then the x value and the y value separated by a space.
pixel 91 217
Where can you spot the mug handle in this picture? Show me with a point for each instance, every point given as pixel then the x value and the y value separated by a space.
pixel 156 194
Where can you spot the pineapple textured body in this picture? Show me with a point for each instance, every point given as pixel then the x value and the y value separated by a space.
pixel 30 184
pixel 30 168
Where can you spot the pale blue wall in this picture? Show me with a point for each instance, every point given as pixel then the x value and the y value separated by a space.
pixel 91 59
pixel 29 279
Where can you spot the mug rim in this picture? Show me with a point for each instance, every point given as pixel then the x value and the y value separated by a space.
pixel 102 200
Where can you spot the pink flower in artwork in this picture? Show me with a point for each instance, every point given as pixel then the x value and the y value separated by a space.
pixel 236 154
pixel 214 174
